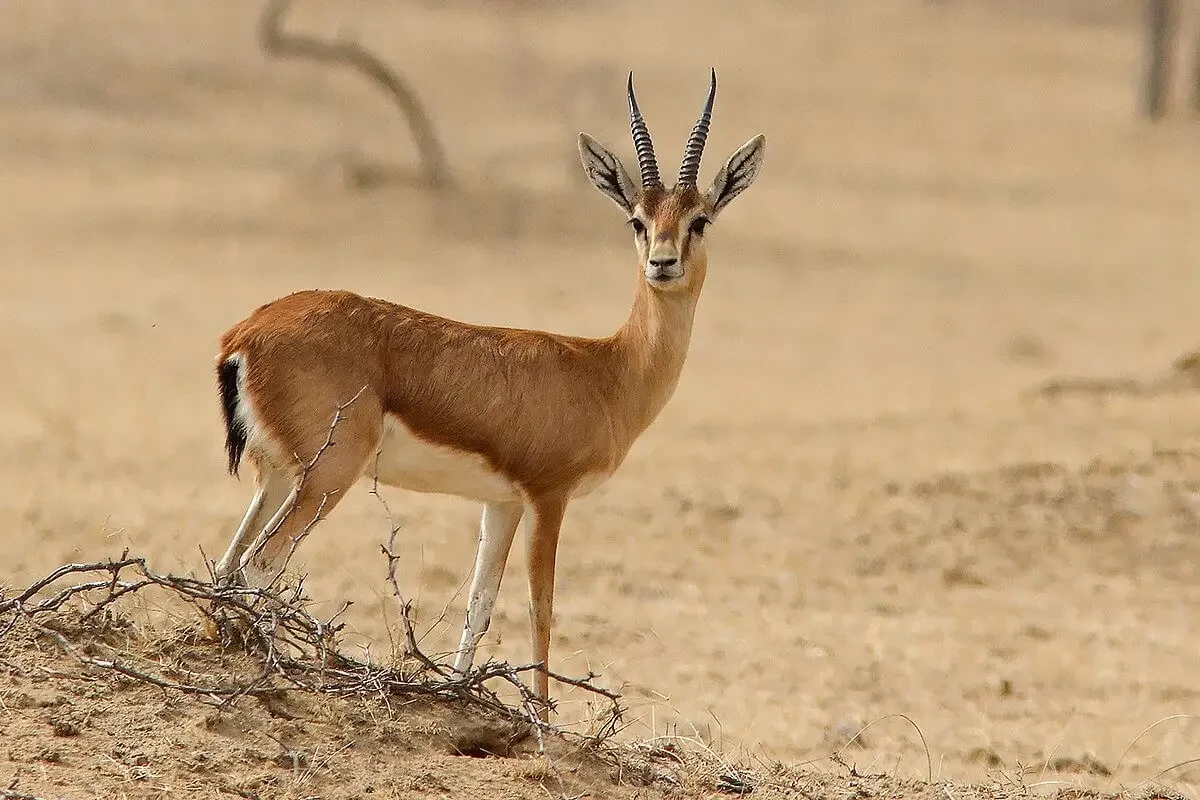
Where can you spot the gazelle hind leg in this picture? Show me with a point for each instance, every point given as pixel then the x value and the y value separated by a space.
pixel 496 532
pixel 272 488
pixel 314 494
pixel 327 460
pixel 543 548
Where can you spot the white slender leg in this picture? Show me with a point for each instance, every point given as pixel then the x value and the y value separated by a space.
pixel 251 563
pixel 272 489
pixel 234 552
pixel 496 532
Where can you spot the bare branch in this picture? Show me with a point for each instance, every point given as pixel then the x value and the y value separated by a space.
pixel 281 44
pixel 61 572
pixel 389 550
pixel 293 649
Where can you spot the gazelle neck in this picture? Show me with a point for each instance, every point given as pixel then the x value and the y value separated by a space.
pixel 652 346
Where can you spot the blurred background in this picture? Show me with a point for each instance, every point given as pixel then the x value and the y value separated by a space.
pixel 936 450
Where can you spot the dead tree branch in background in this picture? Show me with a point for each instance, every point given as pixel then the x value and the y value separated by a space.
pixel 1196 72
pixel 1162 30
pixel 1158 53
pixel 281 44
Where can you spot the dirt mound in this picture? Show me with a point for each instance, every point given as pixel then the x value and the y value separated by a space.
pixel 112 673
pixel 77 731
pixel 98 705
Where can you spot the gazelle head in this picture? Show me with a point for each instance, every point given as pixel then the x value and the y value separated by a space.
pixel 669 224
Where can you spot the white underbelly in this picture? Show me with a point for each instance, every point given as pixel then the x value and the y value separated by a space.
pixel 409 462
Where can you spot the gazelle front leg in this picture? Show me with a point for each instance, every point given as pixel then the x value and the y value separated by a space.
pixel 543 548
pixel 496 532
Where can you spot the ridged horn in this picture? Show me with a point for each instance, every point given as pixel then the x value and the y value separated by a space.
pixel 647 163
pixel 689 171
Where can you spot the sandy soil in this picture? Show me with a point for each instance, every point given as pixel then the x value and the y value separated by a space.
pixel 858 504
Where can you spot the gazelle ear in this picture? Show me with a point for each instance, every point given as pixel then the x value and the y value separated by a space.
pixel 738 173
pixel 605 172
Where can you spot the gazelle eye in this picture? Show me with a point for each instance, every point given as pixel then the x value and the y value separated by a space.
pixel 638 227
pixel 698 226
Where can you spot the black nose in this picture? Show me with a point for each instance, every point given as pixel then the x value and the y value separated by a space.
pixel 663 262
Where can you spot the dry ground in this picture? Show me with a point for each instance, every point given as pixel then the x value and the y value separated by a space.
pixel 857 504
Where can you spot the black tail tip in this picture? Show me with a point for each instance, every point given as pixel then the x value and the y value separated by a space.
pixel 235 432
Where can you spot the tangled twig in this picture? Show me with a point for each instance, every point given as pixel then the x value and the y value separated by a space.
pixel 293 648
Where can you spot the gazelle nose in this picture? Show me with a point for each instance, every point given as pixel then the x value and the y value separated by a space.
pixel 663 263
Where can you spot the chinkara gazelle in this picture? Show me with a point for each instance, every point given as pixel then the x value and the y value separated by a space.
pixel 521 420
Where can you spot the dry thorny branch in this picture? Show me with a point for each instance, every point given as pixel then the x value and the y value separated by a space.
pixel 293 649
pixel 340 52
